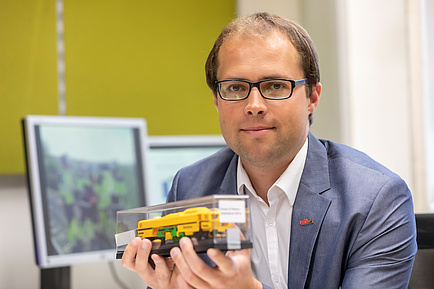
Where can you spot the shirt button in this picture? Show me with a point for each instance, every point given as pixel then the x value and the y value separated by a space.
pixel 271 223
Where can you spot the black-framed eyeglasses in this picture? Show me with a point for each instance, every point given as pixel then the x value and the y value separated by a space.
pixel 269 88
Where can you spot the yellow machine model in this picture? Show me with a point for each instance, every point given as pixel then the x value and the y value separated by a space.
pixel 198 222
pixel 215 221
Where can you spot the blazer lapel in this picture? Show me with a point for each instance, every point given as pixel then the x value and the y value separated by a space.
pixel 229 183
pixel 308 213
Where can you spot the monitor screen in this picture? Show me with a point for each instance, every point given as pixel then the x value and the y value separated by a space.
pixel 168 154
pixel 81 171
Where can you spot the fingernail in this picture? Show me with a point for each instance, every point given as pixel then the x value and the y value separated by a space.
pixel 155 258
pixel 173 252
pixel 145 245
pixel 136 241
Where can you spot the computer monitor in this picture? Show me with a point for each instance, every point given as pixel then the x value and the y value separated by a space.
pixel 168 154
pixel 81 171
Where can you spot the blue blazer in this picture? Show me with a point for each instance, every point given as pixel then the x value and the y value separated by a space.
pixel 363 233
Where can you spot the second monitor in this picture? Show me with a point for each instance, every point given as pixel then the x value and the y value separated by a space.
pixel 168 154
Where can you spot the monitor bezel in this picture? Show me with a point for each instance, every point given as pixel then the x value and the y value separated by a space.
pixel 30 123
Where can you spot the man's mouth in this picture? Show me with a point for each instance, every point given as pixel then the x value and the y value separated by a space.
pixel 257 130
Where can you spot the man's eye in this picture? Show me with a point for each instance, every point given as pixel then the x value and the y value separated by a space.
pixel 236 88
pixel 276 86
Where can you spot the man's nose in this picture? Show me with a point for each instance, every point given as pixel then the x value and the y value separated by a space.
pixel 256 104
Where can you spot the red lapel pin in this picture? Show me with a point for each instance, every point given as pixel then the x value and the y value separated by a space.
pixel 306 222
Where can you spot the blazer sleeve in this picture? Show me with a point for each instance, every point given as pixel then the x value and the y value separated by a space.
pixel 383 253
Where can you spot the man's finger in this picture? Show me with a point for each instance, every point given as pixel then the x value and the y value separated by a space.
pixel 189 265
pixel 142 257
pixel 223 262
pixel 163 268
pixel 129 256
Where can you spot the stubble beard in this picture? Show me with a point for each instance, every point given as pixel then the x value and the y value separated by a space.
pixel 262 154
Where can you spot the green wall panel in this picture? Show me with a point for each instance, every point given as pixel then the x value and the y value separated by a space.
pixel 28 73
pixel 130 58
pixel 144 59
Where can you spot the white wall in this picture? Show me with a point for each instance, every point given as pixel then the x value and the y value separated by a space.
pixel 286 8
pixel 378 87
pixel 427 16
pixel 16 242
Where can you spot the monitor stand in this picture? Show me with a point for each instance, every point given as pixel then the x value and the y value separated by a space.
pixel 52 278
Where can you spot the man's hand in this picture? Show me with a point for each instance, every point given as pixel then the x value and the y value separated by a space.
pixel 232 271
pixel 135 258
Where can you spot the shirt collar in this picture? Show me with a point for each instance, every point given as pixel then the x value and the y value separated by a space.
pixel 288 182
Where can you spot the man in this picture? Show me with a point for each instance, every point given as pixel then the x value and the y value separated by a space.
pixel 323 215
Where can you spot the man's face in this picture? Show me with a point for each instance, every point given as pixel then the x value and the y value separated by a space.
pixel 264 133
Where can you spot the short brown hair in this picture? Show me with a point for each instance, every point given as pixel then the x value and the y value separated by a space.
pixel 262 24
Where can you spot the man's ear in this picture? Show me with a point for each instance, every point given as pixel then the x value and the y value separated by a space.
pixel 314 97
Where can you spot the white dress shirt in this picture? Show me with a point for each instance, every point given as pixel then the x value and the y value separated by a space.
pixel 271 225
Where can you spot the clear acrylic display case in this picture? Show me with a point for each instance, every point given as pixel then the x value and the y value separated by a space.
pixel 215 221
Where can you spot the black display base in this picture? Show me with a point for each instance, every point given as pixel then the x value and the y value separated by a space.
pixel 200 247
pixel 56 278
